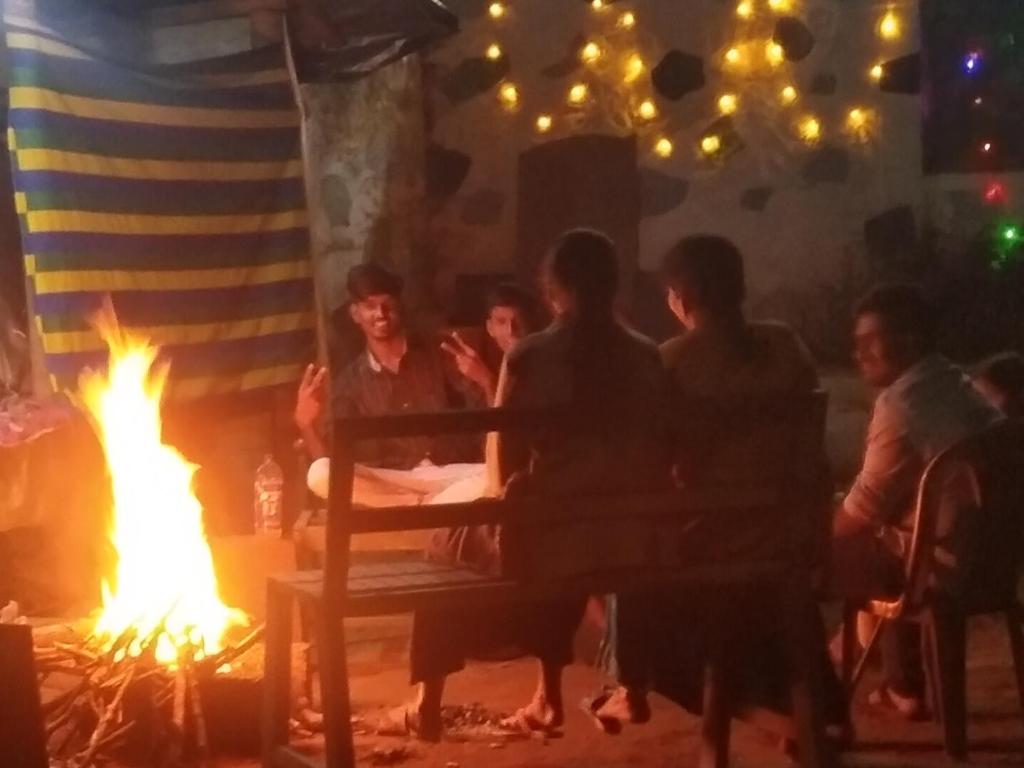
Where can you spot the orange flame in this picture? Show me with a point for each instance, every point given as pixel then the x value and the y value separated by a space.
pixel 164 572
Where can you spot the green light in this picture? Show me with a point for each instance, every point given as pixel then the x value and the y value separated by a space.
pixel 1011 234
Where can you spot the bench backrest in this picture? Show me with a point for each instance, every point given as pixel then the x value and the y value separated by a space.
pixel 798 421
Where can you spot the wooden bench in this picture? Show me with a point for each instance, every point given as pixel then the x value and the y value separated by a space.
pixel 400 583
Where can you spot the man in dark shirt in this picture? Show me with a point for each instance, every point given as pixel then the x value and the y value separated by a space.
pixel 510 316
pixel 396 372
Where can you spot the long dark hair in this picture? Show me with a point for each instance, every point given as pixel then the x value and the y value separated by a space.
pixel 584 263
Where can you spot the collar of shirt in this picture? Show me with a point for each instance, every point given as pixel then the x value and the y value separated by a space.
pixel 375 364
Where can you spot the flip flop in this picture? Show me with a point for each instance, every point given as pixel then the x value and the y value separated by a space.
pixel 592 705
pixel 523 722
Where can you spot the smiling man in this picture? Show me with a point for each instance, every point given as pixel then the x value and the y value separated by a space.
pixel 926 404
pixel 397 372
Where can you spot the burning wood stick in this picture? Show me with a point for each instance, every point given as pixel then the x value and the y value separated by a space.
pixel 62 719
pixel 108 717
pixel 180 692
pixel 114 682
pixel 195 700
pixel 112 739
pixel 52 708
pixel 76 651
pixel 121 643
pixel 211 664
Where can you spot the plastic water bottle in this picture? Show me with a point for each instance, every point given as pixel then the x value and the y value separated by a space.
pixel 267 496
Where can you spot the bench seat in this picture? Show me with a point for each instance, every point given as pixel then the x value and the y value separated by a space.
pixel 400 582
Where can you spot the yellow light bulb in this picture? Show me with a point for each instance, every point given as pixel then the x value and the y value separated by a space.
pixel 775 53
pixel 745 9
pixel 597 5
pixel 727 103
pixel 709 145
pixel 859 123
pixel 627 20
pixel 578 94
pixel 809 129
pixel 590 53
pixel 509 94
pixel 788 95
pixel 496 10
pixel 889 27
pixel 876 72
pixel 663 147
pixel 780 5
pixel 634 67
pixel 733 56
pixel 647 110
pixel 543 123
pixel 494 52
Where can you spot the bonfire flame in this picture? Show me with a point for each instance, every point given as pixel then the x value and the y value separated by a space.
pixel 165 583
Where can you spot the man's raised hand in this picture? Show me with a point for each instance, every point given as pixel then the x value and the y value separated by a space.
pixel 468 361
pixel 312 395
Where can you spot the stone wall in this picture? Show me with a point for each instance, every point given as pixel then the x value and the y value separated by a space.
pixel 798 211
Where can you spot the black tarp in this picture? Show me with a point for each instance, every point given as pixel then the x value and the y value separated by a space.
pixel 340 40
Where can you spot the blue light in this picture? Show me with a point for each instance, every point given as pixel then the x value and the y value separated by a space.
pixel 972 62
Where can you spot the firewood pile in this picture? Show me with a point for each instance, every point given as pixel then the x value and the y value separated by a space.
pixel 115 701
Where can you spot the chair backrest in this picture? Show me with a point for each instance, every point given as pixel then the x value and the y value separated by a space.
pixel 969 528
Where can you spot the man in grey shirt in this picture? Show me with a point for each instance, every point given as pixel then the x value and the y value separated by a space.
pixel 926 405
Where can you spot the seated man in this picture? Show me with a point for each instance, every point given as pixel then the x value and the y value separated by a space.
pixel 926 405
pixel 509 317
pixel 722 360
pixel 397 372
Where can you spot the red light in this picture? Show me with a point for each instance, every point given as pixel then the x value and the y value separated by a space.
pixel 995 193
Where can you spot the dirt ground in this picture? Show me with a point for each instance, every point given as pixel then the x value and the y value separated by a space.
pixel 996 722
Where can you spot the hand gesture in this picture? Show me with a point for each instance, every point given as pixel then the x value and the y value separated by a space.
pixel 309 404
pixel 468 361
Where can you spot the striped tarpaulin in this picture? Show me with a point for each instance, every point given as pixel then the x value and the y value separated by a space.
pixel 176 190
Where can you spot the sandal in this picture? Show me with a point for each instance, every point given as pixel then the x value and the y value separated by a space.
pixel 592 705
pixel 525 722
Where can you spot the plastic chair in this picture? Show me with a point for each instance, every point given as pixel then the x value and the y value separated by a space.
pixel 964 561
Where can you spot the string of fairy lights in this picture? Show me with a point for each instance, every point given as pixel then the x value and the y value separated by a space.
pixel 614 69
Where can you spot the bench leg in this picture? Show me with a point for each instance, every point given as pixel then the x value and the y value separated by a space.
pixel 716 724
pixel 334 694
pixel 277 674
pixel 807 688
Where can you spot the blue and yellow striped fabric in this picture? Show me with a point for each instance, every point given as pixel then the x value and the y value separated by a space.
pixel 178 191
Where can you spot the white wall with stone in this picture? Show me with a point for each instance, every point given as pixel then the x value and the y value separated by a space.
pixel 797 211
